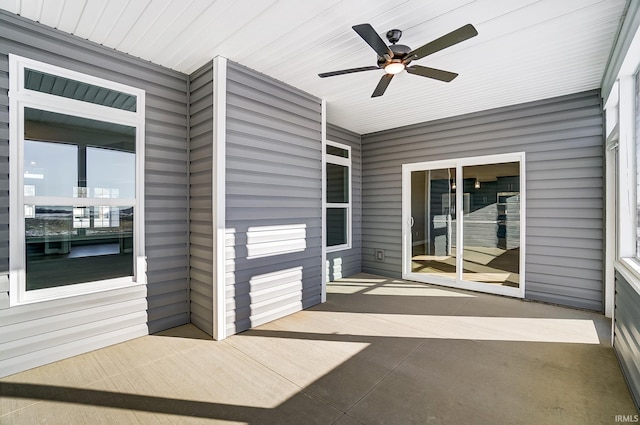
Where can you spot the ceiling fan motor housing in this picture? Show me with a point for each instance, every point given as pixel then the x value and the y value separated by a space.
pixel 399 52
pixel 394 36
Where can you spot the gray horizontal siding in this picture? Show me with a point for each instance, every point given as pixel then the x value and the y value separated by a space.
pixel 626 340
pixel 34 334
pixel 273 199
pixel 349 262
pixel 563 141
pixel 201 197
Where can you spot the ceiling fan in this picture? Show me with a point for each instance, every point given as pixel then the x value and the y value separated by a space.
pixel 396 58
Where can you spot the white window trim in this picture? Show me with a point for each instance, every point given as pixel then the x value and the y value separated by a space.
pixel 620 113
pixel 19 98
pixel 458 164
pixel 345 162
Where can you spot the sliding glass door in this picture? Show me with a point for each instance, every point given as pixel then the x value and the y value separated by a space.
pixel 462 223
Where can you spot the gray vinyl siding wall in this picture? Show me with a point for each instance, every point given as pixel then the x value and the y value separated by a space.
pixel 348 262
pixel 39 333
pixel 626 340
pixel 563 141
pixel 273 199
pixel 201 260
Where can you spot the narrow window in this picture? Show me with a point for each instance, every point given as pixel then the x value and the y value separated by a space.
pixel 338 196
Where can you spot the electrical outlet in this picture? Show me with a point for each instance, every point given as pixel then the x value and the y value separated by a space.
pixel 379 255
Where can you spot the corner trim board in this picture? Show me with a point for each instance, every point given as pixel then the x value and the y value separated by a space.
pixel 323 296
pixel 219 194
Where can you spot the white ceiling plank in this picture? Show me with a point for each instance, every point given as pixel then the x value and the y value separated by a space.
pixel 31 9
pixel 12 6
pixel 526 49
pixel 113 13
pixel 266 28
pixel 215 42
pixel 71 12
pixel 171 23
pixel 143 25
pixel 130 16
pixel 203 32
pixel 191 23
pixel 52 12
pixel 91 16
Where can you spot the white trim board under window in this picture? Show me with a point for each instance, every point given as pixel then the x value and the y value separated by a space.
pixel 89 209
pixel 337 199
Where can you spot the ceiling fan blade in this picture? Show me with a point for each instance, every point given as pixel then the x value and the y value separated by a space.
pixel 436 74
pixel 347 71
pixel 447 40
pixel 382 85
pixel 372 38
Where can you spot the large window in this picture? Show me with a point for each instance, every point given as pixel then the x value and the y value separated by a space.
pixel 76 166
pixel 338 196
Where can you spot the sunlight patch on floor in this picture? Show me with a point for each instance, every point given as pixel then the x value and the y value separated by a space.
pixel 416 292
pixel 575 331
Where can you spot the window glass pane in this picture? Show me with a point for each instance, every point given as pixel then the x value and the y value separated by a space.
pixel 67 245
pixel 111 173
pixel 335 151
pixel 336 226
pixel 50 169
pixel 491 226
pixel 72 89
pixel 337 183
pixel 433 230
pixel 77 157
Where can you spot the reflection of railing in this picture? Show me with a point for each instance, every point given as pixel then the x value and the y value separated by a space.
pixel 59 243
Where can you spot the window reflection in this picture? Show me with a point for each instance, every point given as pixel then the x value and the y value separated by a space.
pixel 69 156
pixel 111 173
pixel 490 214
pixel 50 169
pixel 95 242
pixel 336 226
pixel 337 183
pixel 72 159
pixel 492 224
pixel 433 231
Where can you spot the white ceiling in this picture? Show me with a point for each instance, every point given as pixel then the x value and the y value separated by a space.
pixel 525 49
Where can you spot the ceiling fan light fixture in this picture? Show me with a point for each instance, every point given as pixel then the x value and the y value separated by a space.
pixel 394 67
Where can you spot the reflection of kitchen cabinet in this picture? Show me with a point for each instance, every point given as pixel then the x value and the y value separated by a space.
pixel 466 203
pixel 508 184
pixel 508 204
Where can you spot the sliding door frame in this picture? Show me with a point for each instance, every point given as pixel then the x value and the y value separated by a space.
pixel 459 282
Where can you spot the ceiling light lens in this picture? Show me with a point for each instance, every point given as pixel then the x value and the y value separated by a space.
pixel 394 68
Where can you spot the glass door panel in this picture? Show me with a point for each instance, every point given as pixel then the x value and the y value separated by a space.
pixel 433 222
pixel 491 224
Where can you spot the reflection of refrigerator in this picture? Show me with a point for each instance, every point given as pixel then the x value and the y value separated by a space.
pixel 508 204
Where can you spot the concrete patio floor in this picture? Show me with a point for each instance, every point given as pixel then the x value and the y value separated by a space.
pixel 380 351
